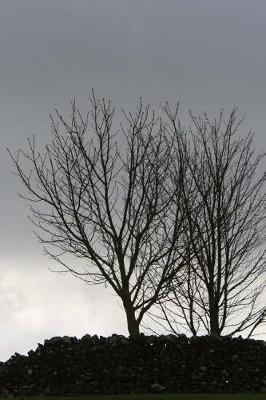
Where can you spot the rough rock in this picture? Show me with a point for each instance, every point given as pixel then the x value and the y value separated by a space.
pixel 110 365
pixel 157 388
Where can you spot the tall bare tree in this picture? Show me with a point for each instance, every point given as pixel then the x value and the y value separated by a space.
pixel 223 200
pixel 104 196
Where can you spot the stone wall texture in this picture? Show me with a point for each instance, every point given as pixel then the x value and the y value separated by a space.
pixel 142 364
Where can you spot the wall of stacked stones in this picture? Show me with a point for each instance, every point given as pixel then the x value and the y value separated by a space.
pixel 94 365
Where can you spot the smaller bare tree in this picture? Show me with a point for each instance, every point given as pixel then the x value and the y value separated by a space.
pixel 104 196
pixel 223 200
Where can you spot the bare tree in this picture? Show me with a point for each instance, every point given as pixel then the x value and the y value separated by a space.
pixel 223 200
pixel 104 197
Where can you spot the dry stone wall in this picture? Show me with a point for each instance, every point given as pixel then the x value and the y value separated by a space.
pixel 142 364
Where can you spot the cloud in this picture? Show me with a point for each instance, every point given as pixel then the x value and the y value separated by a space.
pixel 36 304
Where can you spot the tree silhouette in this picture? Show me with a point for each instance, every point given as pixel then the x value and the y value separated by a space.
pixel 223 201
pixel 104 196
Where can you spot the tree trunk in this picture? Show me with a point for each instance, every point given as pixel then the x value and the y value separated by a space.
pixel 214 318
pixel 132 323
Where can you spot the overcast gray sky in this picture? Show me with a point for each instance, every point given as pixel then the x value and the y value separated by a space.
pixel 207 54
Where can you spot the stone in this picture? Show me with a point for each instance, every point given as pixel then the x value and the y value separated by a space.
pixel 157 388
pixel 54 340
pixel 86 338
pixel 171 338
pixel 114 339
pixel 66 339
